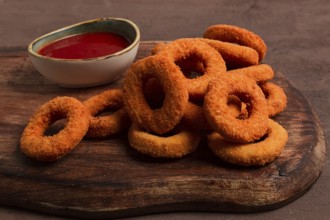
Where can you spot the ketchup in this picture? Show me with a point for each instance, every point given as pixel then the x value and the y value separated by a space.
pixel 87 45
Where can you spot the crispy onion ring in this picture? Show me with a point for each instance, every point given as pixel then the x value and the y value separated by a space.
pixel 275 97
pixel 163 119
pixel 50 148
pixel 221 120
pixel 234 34
pixel 258 153
pixel 235 56
pixel 260 73
pixel 182 50
pixel 184 141
pixel 103 126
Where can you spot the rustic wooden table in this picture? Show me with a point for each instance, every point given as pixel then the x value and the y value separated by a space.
pixel 296 33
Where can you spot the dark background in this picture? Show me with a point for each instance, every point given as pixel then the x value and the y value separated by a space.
pixel 297 34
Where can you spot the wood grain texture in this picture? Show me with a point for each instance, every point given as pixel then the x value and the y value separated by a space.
pixel 107 179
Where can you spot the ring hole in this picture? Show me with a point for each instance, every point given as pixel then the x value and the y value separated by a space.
pixel 234 105
pixel 191 66
pixel 154 93
pixel 244 112
pixel 264 137
pixel 55 127
pixel 266 93
pixel 246 106
pixel 197 100
pixel 108 110
pixel 105 112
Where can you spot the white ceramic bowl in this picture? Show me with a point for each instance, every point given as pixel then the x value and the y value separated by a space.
pixel 92 71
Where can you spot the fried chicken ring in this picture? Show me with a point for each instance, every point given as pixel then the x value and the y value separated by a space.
pixel 164 119
pixel 275 97
pixel 234 34
pixel 50 148
pixel 103 126
pixel 212 65
pixel 257 153
pixel 260 73
pixel 223 121
pixel 184 141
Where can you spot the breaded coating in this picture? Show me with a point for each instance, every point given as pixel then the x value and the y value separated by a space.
pixel 168 74
pixel 256 153
pixel 213 66
pixel 260 73
pixel 220 118
pixel 184 141
pixel 50 148
pixel 238 35
pixel 107 125
pixel 275 97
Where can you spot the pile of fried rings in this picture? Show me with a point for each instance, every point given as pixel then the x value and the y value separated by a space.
pixel 214 86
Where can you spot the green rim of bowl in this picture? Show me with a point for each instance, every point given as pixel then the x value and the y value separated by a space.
pixel 80 28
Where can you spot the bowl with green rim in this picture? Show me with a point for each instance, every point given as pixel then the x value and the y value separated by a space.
pixel 86 71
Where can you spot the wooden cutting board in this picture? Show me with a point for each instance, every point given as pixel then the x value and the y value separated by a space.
pixel 107 179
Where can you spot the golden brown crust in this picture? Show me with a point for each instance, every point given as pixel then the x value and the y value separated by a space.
pixel 235 106
pixel 103 126
pixel 183 142
pixel 235 56
pixel 275 97
pixel 241 36
pixel 260 73
pixel 190 48
pixel 221 120
pixel 252 154
pixel 194 116
pixel 158 47
pixel 50 148
pixel 160 120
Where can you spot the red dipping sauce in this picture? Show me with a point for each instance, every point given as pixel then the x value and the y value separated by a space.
pixel 83 46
